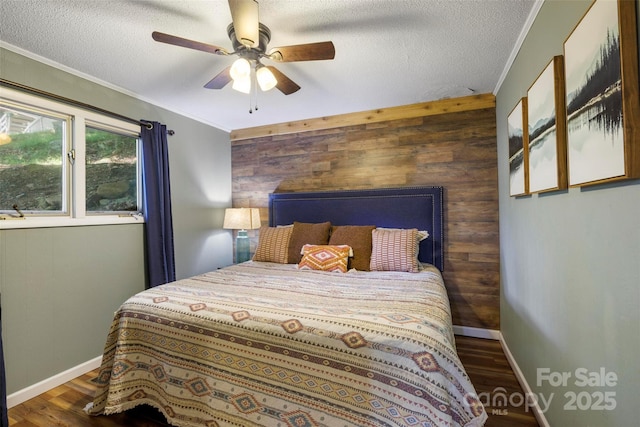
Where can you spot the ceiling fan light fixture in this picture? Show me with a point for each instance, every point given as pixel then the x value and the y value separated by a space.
pixel 240 69
pixel 266 79
pixel 250 38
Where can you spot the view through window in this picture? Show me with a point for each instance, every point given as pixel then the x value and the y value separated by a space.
pixel 32 169
pixel 57 160
pixel 111 171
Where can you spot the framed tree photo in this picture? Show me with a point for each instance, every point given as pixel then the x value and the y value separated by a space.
pixel 547 130
pixel 518 153
pixel 603 107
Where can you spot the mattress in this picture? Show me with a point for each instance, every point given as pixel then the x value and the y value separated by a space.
pixel 265 344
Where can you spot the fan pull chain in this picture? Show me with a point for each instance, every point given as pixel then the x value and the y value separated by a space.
pixel 254 89
pixel 251 88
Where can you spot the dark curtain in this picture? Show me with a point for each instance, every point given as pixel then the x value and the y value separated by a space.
pixel 4 421
pixel 157 204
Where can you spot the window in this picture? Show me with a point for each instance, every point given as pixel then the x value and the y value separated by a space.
pixel 32 170
pixel 111 169
pixel 61 162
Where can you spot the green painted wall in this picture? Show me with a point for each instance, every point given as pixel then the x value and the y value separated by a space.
pixel 570 263
pixel 60 286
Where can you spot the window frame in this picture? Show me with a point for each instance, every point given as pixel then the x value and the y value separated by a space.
pixel 74 176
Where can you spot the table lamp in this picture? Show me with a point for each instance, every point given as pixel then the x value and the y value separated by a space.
pixel 242 219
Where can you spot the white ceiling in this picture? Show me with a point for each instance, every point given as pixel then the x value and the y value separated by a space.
pixel 388 52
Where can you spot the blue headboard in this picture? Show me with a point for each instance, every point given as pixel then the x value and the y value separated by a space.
pixel 409 207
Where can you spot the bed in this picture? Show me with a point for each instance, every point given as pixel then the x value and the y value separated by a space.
pixel 273 343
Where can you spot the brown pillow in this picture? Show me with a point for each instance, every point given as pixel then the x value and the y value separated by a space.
pixel 359 238
pixel 273 243
pixel 307 234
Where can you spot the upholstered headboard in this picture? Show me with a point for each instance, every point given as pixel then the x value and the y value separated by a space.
pixel 409 207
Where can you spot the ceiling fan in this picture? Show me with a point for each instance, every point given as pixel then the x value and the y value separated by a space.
pixel 249 39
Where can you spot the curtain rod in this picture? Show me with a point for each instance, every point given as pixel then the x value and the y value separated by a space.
pixel 75 103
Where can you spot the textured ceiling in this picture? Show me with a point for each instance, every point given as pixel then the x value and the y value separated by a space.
pixel 388 52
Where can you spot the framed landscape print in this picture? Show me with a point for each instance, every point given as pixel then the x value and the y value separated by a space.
pixel 518 154
pixel 547 130
pixel 601 69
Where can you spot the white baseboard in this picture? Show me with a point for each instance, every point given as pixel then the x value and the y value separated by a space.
pixel 45 385
pixel 467 331
pixel 537 411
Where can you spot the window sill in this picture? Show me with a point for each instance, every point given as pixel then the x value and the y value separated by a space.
pixel 47 222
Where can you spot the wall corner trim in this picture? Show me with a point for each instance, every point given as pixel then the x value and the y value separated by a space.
pixel 516 48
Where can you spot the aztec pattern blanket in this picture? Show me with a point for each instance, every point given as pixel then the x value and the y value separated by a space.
pixel 262 344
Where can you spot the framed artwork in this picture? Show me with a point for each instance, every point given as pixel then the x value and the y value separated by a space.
pixel 547 130
pixel 518 150
pixel 601 73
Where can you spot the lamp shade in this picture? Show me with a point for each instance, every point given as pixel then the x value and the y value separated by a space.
pixel 242 84
pixel 240 69
pixel 266 79
pixel 241 218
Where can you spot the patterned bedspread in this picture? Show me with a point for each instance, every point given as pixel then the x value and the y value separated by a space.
pixel 261 344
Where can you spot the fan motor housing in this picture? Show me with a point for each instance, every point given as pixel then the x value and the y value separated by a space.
pixel 265 37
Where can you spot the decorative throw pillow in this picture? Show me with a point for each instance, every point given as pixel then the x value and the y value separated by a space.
pixel 394 250
pixel 359 238
pixel 325 257
pixel 422 234
pixel 273 244
pixel 307 234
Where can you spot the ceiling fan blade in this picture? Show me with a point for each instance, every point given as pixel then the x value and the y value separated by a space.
pixel 303 52
pixel 221 80
pixel 179 41
pixel 285 84
pixel 244 14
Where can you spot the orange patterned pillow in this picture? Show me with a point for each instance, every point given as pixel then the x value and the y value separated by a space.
pixel 325 257
pixel 394 250
pixel 273 244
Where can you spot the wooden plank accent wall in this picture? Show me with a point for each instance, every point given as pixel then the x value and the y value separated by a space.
pixel 456 150
pixel 474 102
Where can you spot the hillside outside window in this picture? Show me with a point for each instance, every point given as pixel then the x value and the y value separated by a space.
pixel 111 165
pixel 32 166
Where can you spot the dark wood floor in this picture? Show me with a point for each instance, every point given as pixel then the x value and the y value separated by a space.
pixel 491 375
pixel 63 406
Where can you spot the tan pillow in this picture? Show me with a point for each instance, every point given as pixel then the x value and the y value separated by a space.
pixel 307 234
pixel 394 250
pixel 422 234
pixel 325 257
pixel 359 238
pixel 273 244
